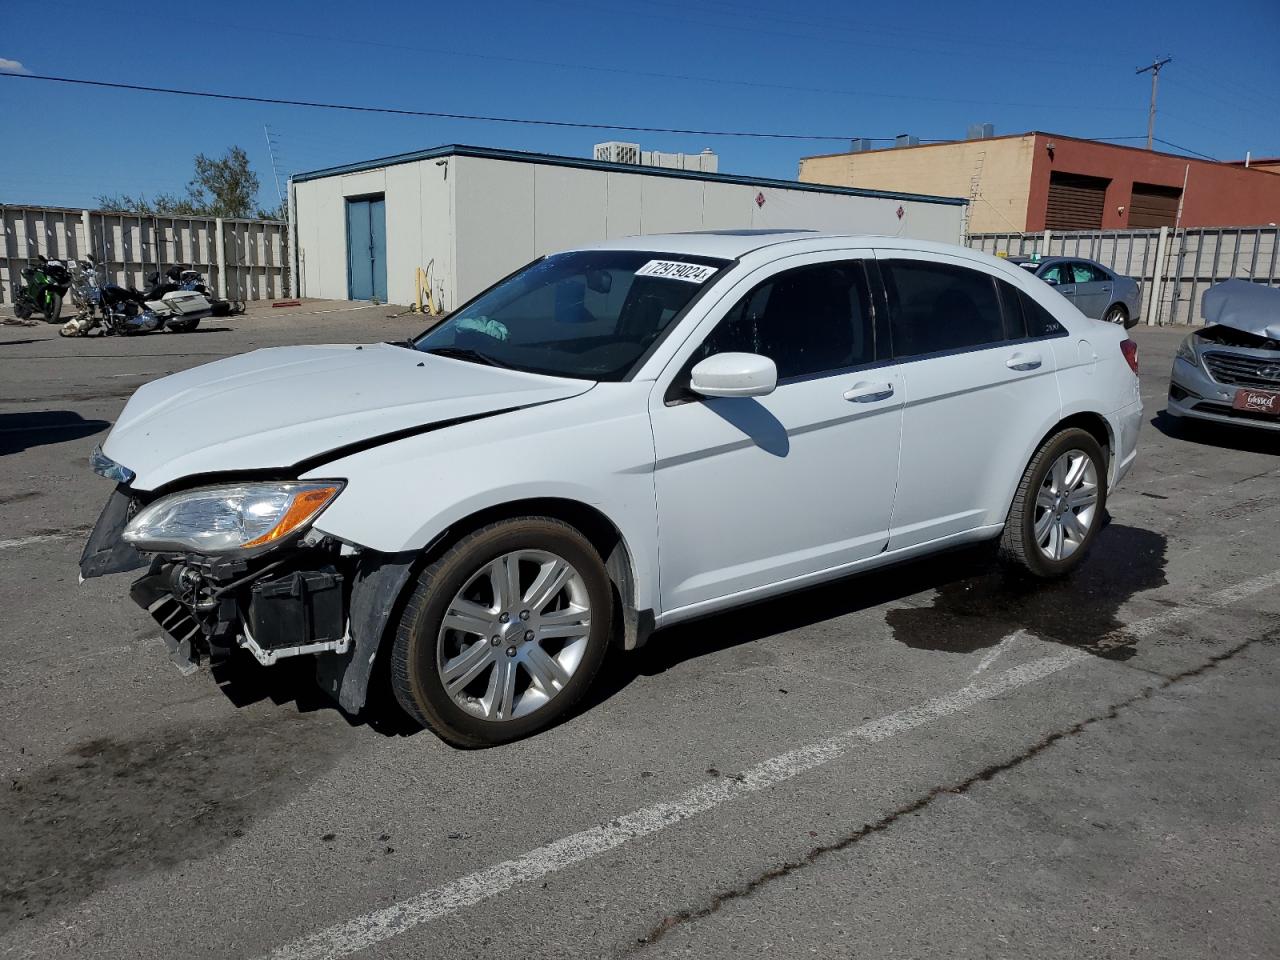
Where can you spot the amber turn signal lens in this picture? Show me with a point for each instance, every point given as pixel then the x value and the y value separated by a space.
pixel 302 508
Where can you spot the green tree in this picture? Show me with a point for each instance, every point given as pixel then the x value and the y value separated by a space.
pixel 223 186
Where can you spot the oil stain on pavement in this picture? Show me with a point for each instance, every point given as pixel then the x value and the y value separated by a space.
pixel 113 809
pixel 1079 610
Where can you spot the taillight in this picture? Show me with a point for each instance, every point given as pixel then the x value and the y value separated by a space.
pixel 1130 351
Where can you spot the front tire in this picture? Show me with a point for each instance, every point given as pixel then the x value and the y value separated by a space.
pixel 52 307
pixel 504 633
pixel 1058 507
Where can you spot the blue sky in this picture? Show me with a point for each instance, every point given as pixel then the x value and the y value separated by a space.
pixel 925 67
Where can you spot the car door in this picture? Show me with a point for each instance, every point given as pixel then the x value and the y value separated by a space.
pixel 753 492
pixel 1093 287
pixel 978 391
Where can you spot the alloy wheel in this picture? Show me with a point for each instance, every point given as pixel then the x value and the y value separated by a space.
pixel 513 636
pixel 1066 505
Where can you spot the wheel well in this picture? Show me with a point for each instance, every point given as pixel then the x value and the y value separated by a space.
pixel 591 523
pixel 1093 424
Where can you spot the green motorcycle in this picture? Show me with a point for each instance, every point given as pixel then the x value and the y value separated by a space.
pixel 46 283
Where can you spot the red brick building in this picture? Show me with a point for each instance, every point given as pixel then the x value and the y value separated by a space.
pixel 1036 181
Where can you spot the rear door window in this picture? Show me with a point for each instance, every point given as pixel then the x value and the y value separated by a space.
pixel 1082 272
pixel 938 307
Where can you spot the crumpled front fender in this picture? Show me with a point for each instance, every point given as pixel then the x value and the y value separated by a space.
pixel 376 588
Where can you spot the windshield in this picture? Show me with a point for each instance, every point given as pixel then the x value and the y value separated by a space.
pixel 590 314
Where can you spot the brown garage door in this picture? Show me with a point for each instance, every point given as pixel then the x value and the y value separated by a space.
pixel 1153 205
pixel 1075 202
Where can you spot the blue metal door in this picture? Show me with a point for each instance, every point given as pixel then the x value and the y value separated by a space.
pixel 367 249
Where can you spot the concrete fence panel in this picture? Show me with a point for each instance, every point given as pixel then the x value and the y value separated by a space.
pixel 241 259
pixel 1194 259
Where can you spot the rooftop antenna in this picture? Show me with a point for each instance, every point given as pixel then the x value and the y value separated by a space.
pixel 275 170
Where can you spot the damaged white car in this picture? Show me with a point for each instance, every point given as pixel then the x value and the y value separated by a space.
pixel 1229 371
pixel 611 440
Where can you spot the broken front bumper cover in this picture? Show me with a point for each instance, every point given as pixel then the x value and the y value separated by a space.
pixel 302 599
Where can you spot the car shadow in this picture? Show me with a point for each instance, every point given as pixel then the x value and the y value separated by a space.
pixel 977 602
pixel 244 682
pixel 1225 436
pixel 23 431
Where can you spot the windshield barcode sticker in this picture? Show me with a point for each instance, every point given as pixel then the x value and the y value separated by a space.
pixel 673 270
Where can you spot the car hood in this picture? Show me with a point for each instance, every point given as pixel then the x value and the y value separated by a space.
pixel 286 406
pixel 1244 305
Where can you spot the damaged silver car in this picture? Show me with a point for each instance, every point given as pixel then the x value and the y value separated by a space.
pixel 1229 371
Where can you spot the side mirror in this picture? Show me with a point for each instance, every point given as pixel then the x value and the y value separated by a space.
pixel 734 375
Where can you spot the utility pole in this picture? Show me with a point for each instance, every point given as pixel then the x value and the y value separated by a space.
pixel 1155 78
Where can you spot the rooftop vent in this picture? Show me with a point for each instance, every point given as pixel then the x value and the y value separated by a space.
pixel 980 131
pixel 860 145
pixel 616 151
pixel 906 140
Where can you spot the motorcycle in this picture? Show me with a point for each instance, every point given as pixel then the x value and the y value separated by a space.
pixel 177 303
pixel 46 284
pixel 86 295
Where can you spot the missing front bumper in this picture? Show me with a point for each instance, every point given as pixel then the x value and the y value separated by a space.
pixel 206 608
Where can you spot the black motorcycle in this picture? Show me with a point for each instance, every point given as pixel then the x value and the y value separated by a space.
pixel 45 284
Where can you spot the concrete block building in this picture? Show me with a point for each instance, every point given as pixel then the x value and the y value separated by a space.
pixel 471 215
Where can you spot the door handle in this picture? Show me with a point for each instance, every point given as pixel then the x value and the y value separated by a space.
pixel 1024 361
pixel 864 392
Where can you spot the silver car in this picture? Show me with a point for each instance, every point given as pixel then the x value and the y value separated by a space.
pixel 1096 291
pixel 1229 370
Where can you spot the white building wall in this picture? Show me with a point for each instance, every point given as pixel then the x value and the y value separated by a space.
pixel 419 216
pixel 480 218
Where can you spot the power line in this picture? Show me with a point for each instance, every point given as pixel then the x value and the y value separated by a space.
pixel 1167 143
pixel 527 121
pixel 652 74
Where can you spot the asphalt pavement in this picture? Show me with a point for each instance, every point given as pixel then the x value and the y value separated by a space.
pixel 927 761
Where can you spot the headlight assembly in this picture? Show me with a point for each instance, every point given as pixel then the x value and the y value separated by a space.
pixel 1187 350
pixel 243 517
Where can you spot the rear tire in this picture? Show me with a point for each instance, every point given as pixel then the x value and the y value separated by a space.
pixel 184 326
pixel 485 648
pixel 22 309
pixel 1117 315
pixel 1059 506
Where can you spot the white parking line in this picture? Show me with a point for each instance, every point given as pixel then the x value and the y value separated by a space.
pixel 365 931
pixel 370 929
pixel 26 541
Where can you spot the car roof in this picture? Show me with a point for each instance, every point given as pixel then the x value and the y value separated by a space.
pixel 734 244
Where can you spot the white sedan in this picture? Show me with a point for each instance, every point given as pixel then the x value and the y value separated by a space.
pixel 611 440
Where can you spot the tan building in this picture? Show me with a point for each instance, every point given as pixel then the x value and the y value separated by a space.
pixel 1036 181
